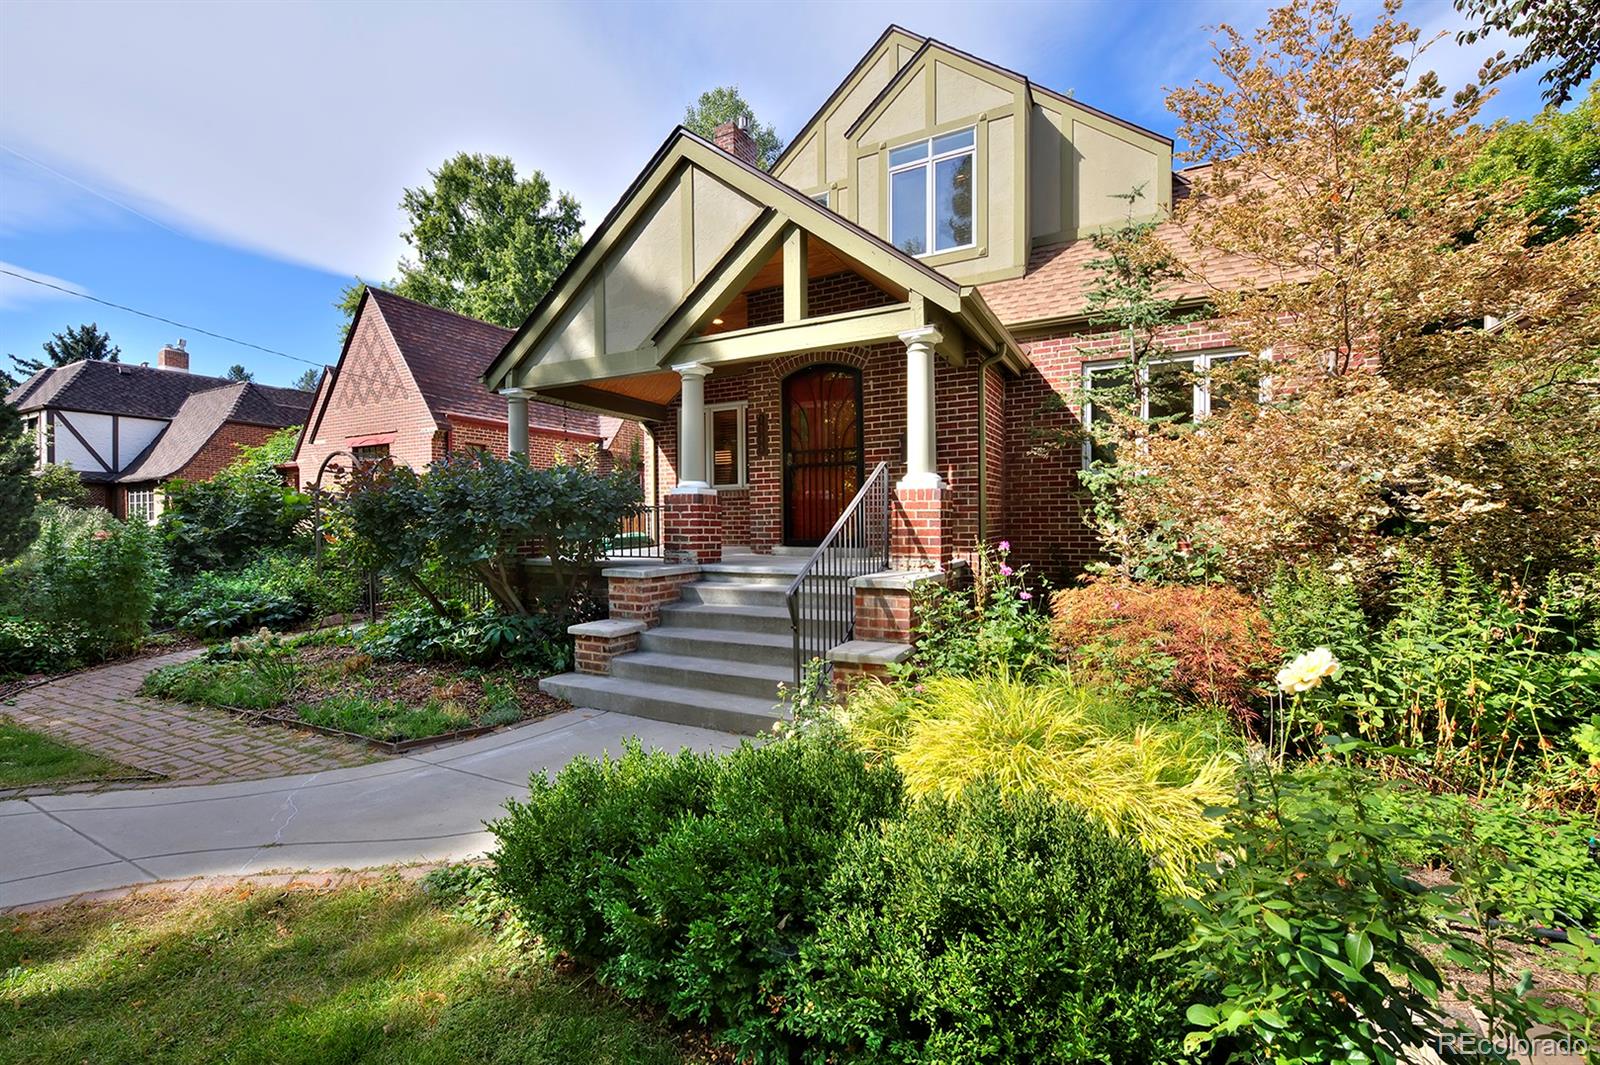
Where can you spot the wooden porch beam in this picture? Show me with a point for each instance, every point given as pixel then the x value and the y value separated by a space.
pixel 595 368
pixel 796 275
pixel 607 402
pixel 832 331
pixel 724 281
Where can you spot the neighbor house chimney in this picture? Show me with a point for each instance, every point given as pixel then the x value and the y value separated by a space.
pixel 174 357
pixel 734 138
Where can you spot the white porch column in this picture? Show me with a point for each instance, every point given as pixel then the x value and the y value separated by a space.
pixel 692 429
pixel 516 420
pixel 921 457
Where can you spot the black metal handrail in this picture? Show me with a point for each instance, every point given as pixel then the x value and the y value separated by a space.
pixel 637 536
pixel 821 602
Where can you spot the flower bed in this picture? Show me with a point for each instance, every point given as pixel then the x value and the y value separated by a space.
pixel 331 684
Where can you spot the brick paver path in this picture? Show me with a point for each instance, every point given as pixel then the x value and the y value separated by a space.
pixel 101 710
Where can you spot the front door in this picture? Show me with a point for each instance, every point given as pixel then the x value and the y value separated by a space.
pixel 822 460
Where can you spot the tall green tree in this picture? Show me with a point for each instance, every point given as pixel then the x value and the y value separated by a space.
pixel 488 243
pixel 1557 154
pixel 1565 34
pixel 76 344
pixel 308 380
pixel 237 372
pixel 17 524
pixel 724 104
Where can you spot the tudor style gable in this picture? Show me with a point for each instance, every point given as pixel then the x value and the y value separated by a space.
pixel 969 166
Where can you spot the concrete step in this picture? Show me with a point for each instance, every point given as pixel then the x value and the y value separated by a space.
pixel 721 644
pixel 757 680
pixel 777 571
pixel 728 593
pixel 663 702
pixel 768 619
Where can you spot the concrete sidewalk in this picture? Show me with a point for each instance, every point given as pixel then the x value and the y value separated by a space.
pixel 428 806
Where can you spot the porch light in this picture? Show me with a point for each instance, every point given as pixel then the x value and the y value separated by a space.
pixel 716 321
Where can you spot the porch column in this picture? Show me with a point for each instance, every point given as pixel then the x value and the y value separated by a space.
pixel 921 461
pixel 917 540
pixel 691 527
pixel 692 429
pixel 516 420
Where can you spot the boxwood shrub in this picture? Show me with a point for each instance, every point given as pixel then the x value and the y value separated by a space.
pixel 992 929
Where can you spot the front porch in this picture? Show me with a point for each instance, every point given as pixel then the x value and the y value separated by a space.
pixel 781 360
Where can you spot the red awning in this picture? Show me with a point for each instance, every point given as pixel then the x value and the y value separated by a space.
pixel 370 441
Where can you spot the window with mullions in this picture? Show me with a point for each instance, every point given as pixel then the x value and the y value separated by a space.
pixel 930 193
pixel 1177 390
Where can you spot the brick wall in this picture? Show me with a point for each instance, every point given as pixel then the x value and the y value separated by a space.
pixel 1045 506
pixel 545 448
pixel 373 393
pixel 222 449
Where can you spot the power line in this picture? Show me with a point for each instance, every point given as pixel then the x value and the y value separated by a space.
pixel 158 318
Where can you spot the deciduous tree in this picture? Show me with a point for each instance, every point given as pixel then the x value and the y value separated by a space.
pixel 488 243
pixel 1341 179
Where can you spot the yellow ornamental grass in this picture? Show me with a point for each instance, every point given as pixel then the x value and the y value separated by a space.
pixel 1147 784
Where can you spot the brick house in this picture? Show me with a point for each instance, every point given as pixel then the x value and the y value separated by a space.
pixel 405 389
pixel 872 334
pixel 128 429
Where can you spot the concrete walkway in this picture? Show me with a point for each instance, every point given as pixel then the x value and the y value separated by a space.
pixel 428 806
pixel 102 711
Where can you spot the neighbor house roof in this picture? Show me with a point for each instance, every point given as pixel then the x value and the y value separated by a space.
pixel 446 352
pixel 203 413
pixel 194 407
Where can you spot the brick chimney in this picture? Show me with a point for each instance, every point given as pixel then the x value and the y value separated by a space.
pixel 734 138
pixel 174 357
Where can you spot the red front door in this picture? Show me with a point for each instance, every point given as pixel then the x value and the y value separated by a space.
pixel 822 460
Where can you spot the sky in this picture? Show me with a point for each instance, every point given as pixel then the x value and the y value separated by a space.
pixel 231 166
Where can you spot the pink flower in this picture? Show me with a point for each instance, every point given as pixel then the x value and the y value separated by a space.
pixel 1025 596
pixel 1005 545
pixel 1006 571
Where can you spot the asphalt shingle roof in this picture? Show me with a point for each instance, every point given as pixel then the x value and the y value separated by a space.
pixel 447 351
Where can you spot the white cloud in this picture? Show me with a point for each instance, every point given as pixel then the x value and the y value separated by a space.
pixel 18 292
pixel 291 129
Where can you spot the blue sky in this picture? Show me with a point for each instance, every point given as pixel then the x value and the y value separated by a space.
pixel 231 166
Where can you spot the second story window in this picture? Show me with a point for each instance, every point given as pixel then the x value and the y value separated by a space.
pixel 930 193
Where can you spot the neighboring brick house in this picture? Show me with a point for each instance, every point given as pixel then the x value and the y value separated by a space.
pixel 906 286
pixel 405 389
pixel 128 429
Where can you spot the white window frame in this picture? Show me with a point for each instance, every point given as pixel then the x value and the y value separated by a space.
pixel 741 469
pixel 930 163
pixel 148 510
pixel 1200 363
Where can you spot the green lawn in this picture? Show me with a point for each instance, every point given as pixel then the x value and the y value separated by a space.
pixel 377 973
pixel 29 758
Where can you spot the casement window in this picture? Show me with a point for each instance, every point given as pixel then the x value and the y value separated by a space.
pixel 725 445
pixel 1178 390
pixel 370 453
pixel 930 193
pixel 144 504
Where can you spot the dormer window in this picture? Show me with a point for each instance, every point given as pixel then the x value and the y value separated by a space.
pixel 930 193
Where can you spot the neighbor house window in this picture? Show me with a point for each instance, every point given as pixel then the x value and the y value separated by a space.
pixel 821 197
pixel 370 453
pixel 930 193
pixel 725 445
pixel 142 504
pixel 1177 390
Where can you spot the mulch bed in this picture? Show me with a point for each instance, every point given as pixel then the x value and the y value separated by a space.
pixel 413 682
pixel 329 670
